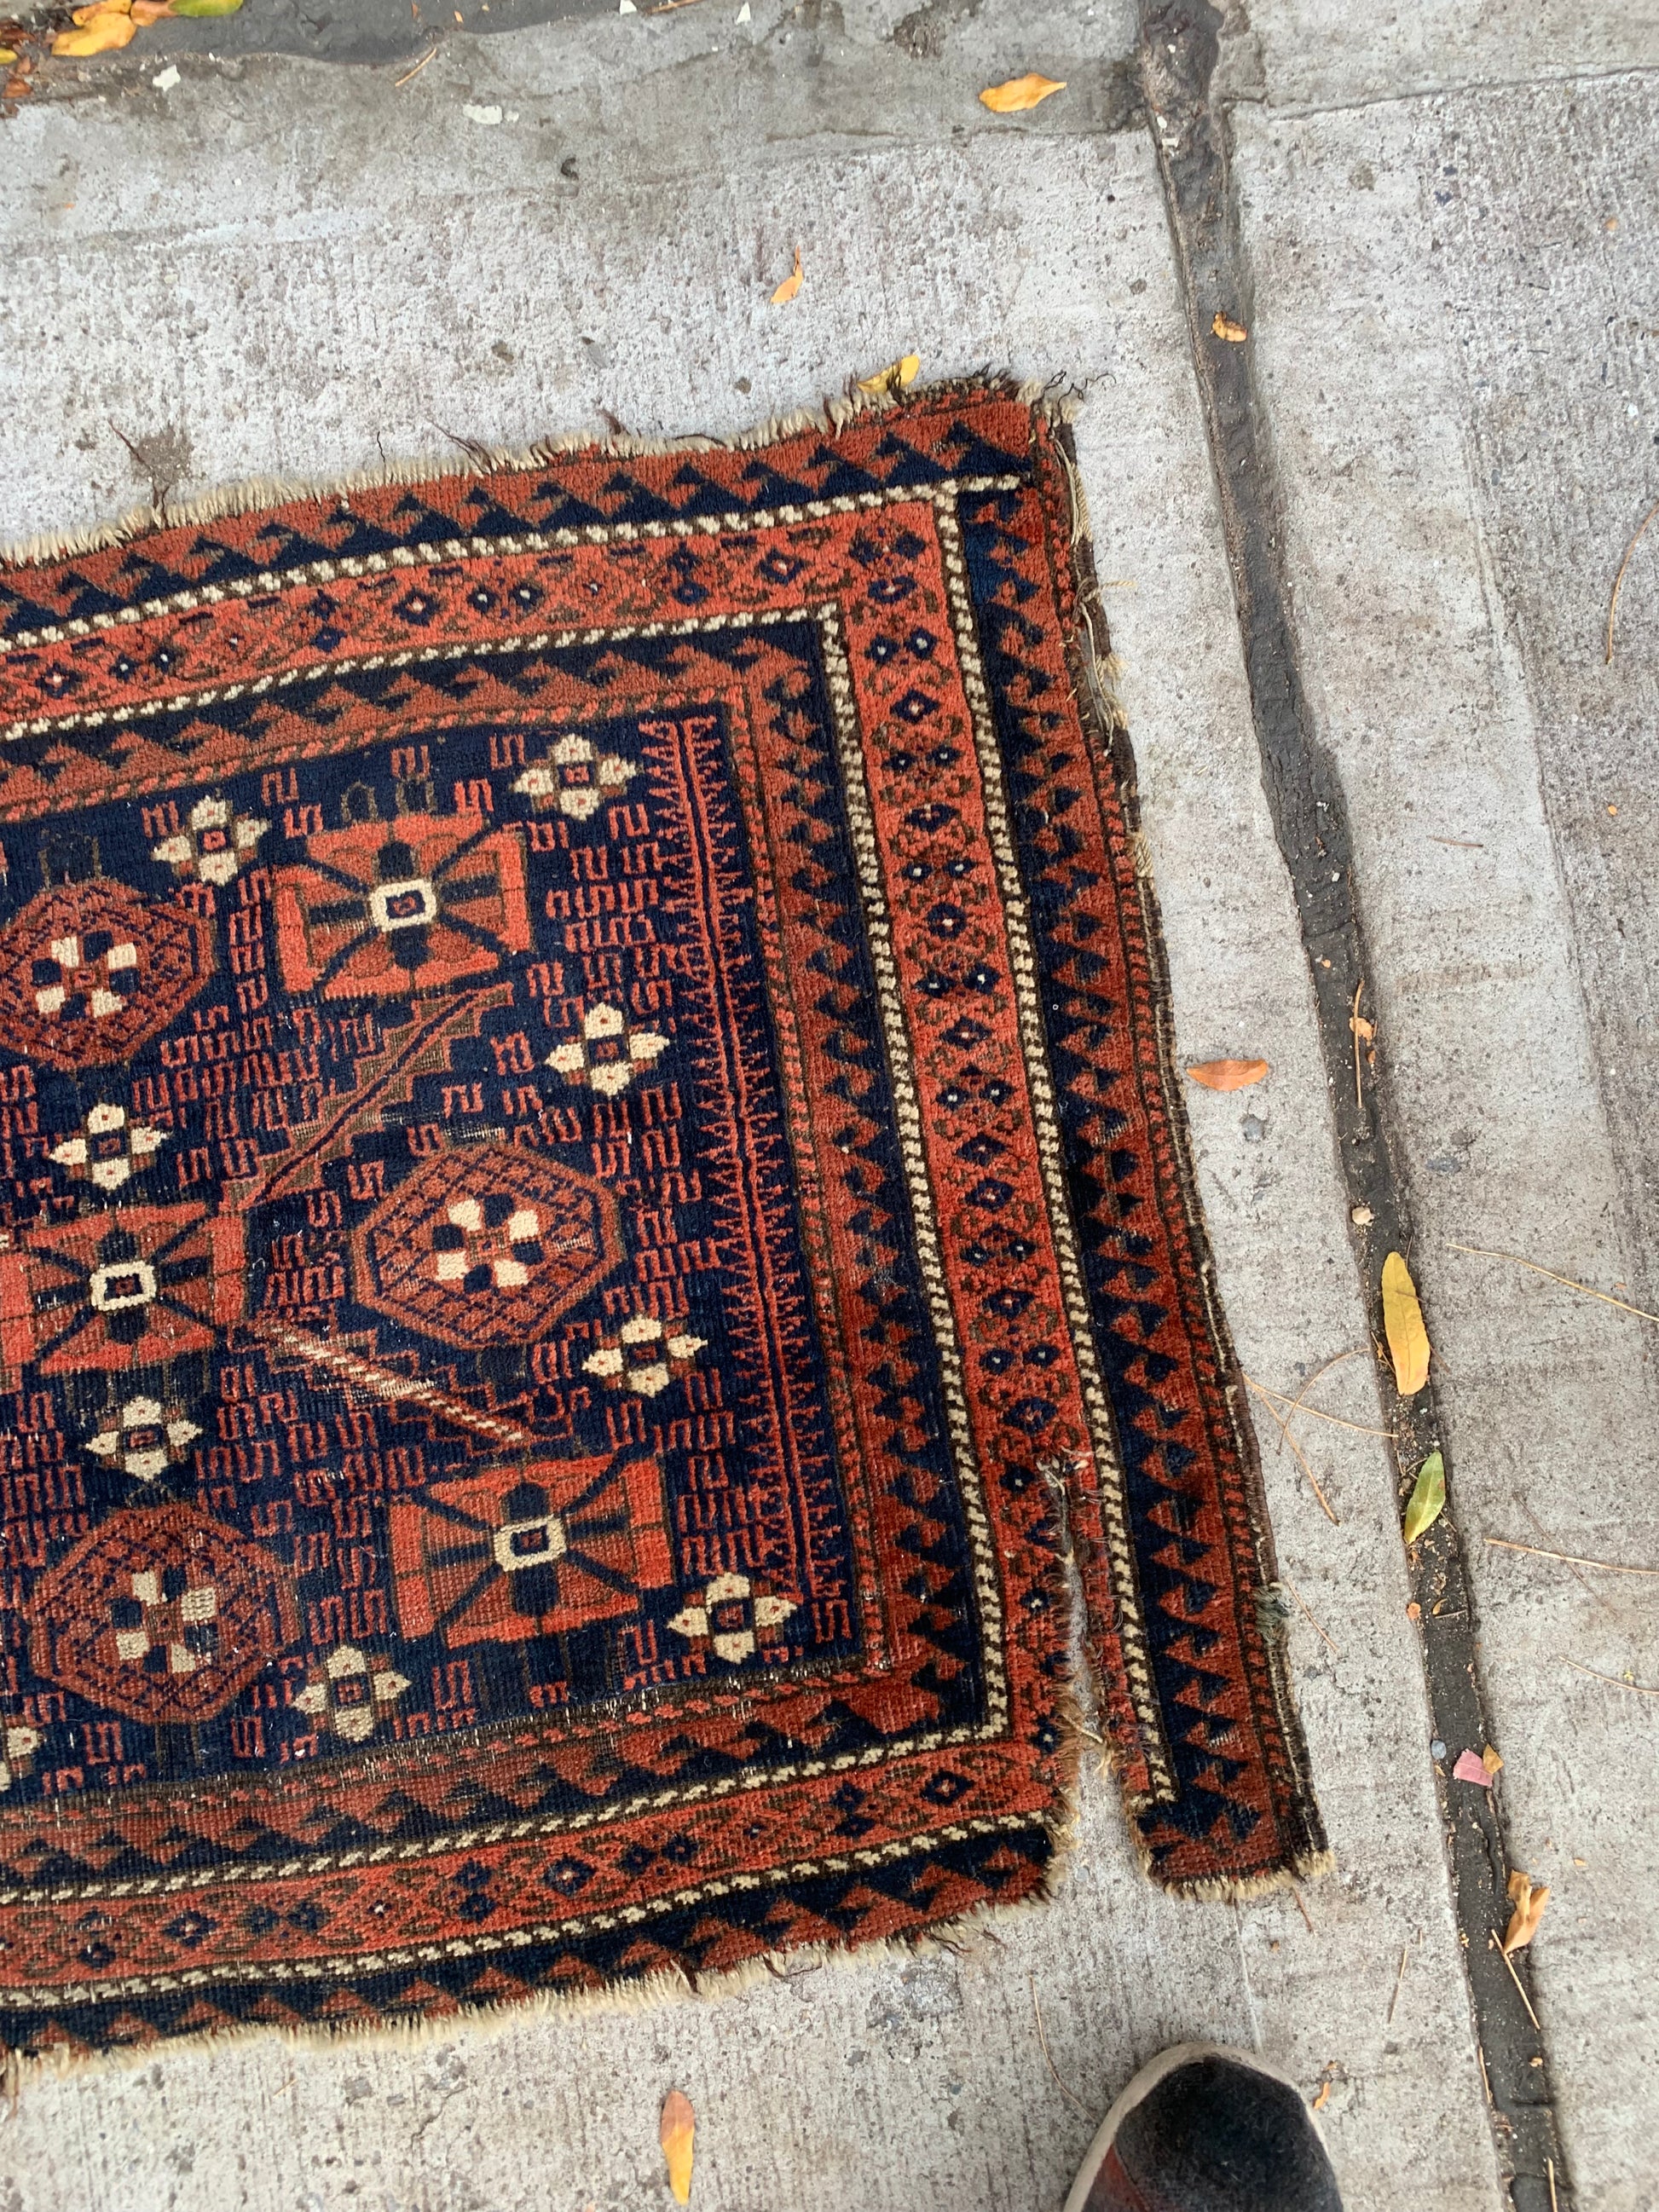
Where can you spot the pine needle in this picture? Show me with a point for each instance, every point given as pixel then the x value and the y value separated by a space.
pixel 1618 581
pixel 1485 1252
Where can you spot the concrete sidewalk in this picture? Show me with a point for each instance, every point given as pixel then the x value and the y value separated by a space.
pixel 281 267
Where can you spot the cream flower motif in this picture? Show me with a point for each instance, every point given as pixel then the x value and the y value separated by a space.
pixel 574 777
pixel 21 1744
pixel 146 1438
pixel 731 1615
pixel 348 1695
pixel 214 846
pixel 111 1149
pixel 643 1357
pixel 488 1241
pixel 609 1054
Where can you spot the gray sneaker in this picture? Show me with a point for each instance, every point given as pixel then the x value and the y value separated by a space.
pixel 1203 2130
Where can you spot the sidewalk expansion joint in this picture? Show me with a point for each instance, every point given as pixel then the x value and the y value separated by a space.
pixel 1179 45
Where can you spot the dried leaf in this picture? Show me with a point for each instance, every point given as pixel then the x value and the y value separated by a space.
pixel 1228 1074
pixel 102 33
pixel 145 12
pixel 1019 93
pixel 1361 1029
pixel 1490 1761
pixel 1224 326
pixel 897 377
pixel 1471 1767
pixel 1428 1499
pixel 677 2132
pixel 790 284
pixel 1402 1324
pixel 1528 1903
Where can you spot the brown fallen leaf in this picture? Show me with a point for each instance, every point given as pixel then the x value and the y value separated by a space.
pixel 1224 326
pixel 1528 1902
pixel 1403 1326
pixel 145 12
pixel 897 377
pixel 677 2133
pixel 1491 1760
pixel 1228 1074
pixel 1361 1028
pixel 1019 93
pixel 790 284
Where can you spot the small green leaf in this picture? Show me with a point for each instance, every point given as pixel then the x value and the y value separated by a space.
pixel 1428 1499
pixel 205 7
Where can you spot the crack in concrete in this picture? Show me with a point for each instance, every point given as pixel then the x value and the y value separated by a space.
pixel 1180 44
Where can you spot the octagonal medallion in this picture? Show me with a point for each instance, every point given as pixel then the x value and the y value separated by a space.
pixel 487 1245
pixel 90 971
pixel 162 1614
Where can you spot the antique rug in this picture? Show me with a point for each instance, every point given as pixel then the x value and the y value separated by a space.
pixel 596 1236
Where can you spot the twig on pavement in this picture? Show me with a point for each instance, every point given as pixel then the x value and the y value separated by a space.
pixel 1399 1983
pixel 1043 2038
pixel 1301 1456
pixel 1569 1559
pixel 1485 1252
pixel 1642 1689
pixel 1520 1986
pixel 1337 1420
pixel 1618 580
pixel 1303 1602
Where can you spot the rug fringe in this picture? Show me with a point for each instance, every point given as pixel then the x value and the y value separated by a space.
pixel 248 494
pixel 22 2070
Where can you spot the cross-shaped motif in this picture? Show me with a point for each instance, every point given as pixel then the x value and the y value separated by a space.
pixel 166 1625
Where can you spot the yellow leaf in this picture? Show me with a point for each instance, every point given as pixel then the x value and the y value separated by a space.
pixel 102 34
pixel 896 377
pixel 790 284
pixel 1224 326
pixel 1402 1324
pixel 1491 1760
pixel 6 56
pixel 1528 1903
pixel 1428 1499
pixel 1228 1074
pixel 678 2131
pixel 1019 93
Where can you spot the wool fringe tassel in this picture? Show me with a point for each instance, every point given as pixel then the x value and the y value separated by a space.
pixel 832 416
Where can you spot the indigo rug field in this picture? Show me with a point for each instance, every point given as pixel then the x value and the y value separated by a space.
pixel 597 1246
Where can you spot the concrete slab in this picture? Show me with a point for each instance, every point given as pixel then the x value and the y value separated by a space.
pixel 275 270
pixel 1451 340
pixel 1311 57
pixel 289 272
